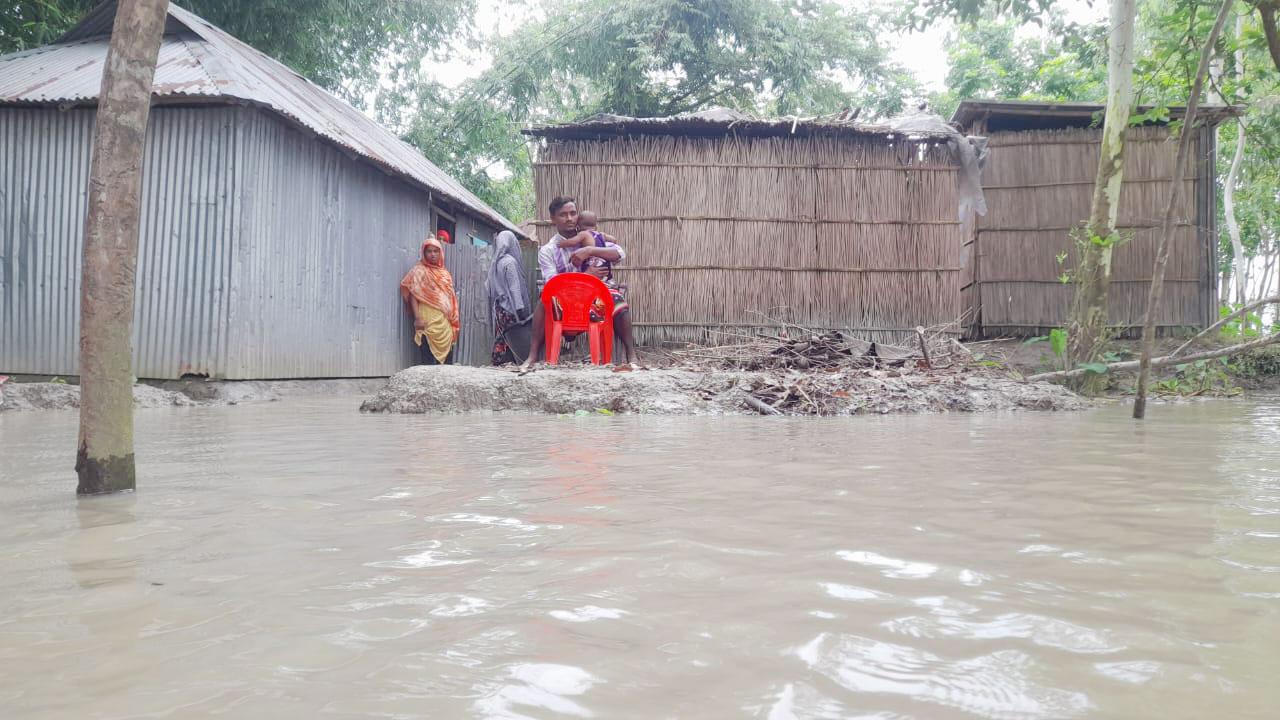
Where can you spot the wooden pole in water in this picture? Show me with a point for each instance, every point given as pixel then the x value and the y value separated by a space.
pixel 104 459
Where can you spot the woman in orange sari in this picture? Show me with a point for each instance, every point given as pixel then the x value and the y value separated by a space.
pixel 427 290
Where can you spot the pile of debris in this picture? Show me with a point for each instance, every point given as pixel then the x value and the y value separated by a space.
pixel 804 371
pixel 813 350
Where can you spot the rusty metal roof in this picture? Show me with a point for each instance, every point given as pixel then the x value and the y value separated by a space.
pixel 201 62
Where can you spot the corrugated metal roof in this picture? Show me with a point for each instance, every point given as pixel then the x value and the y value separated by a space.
pixel 1067 114
pixel 712 123
pixel 198 60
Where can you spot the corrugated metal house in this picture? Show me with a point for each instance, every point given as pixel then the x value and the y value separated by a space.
pixel 1038 182
pixel 277 219
pixel 733 224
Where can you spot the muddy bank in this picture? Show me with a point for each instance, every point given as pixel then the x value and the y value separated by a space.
pixel 63 396
pixel 670 391
pixel 23 396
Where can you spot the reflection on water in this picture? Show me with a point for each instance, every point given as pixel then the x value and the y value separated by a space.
pixel 302 560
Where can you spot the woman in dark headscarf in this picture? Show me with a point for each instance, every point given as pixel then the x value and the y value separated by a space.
pixel 508 298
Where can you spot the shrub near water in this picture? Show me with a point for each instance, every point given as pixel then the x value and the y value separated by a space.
pixel 1263 362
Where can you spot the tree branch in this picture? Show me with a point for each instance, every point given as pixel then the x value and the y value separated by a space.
pixel 1238 313
pixel 1162 361
pixel 1268 12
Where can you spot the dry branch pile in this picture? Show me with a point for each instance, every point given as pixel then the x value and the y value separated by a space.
pixel 809 372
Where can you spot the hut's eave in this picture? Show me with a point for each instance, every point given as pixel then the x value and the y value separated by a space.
pixel 1013 115
pixel 717 122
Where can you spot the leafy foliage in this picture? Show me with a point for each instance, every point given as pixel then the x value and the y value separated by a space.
pixel 995 59
pixel 650 58
pixel 347 46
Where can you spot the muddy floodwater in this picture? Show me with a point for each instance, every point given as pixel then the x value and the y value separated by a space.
pixel 301 560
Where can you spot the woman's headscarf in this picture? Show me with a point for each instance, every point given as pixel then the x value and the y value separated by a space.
pixel 432 285
pixel 505 285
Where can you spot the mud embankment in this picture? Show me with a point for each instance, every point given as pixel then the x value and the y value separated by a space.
pixel 20 396
pixel 674 391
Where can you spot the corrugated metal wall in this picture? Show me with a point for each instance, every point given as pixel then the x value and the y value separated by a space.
pixel 265 253
pixel 469 264
pixel 183 254
pixel 324 241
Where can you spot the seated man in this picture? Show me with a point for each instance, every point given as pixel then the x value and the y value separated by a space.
pixel 554 259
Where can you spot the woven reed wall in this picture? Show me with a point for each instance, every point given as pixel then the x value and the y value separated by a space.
pixel 1038 185
pixel 848 233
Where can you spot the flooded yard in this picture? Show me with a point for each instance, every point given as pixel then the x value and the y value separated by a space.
pixel 301 560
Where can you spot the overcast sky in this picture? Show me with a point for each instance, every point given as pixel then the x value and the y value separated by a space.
pixel 921 52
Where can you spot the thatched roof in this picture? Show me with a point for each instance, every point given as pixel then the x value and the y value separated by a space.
pixel 716 122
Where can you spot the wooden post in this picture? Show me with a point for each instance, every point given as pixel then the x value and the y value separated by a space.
pixel 104 460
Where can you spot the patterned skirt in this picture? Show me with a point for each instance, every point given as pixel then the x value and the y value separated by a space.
pixel 502 322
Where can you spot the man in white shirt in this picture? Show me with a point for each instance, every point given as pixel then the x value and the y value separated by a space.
pixel 554 260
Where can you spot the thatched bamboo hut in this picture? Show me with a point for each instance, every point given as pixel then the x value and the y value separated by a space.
pixel 734 225
pixel 1038 182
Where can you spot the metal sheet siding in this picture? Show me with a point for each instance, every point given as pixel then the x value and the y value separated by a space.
pixel 186 237
pixel 469 263
pixel 199 60
pixel 324 241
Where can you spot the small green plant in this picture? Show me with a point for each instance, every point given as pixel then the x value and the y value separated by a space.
pixel 1084 238
pixel 1202 377
pixel 1065 276
pixel 1245 327
pixel 1058 342
pixel 981 360
pixel 1057 339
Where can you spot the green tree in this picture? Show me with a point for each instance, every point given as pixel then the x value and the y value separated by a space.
pixel 990 58
pixel 654 58
pixel 1246 78
pixel 347 46
pixel 1087 322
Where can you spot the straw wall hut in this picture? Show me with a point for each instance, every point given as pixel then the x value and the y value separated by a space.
pixel 276 219
pixel 1038 182
pixel 732 225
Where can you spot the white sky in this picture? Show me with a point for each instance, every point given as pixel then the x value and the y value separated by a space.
pixel 922 52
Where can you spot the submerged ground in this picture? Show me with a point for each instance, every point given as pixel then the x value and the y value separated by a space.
pixel 301 559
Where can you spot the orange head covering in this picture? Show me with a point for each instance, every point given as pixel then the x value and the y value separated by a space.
pixel 432 285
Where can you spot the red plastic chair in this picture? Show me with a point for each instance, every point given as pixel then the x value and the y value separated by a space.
pixel 576 293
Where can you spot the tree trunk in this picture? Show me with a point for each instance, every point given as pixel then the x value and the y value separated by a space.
pixel 1087 325
pixel 1267 11
pixel 1229 186
pixel 104 461
pixel 1156 291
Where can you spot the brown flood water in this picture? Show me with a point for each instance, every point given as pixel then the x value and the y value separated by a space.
pixel 299 560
